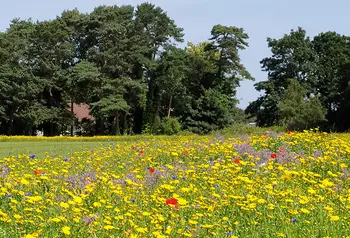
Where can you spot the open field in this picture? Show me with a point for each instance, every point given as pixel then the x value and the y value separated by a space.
pixel 266 185
pixel 43 148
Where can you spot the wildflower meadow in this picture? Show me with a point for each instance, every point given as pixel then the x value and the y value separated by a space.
pixel 259 185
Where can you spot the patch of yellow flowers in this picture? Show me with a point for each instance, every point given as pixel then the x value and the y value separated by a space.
pixel 270 185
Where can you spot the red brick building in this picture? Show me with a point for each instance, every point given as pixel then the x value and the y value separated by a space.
pixel 81 111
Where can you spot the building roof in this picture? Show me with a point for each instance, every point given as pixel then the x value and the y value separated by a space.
pixel 81 111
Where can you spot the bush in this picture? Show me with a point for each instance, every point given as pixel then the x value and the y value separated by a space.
pixel 299 112
pixel 245 128
pixel 170 126
pixel 165 126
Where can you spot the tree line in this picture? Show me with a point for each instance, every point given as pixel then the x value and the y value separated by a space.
pixel 308 82
pixel 126 64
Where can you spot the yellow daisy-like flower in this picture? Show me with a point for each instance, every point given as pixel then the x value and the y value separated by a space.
pixel 66 230
pixel 108 227
pixel 335 218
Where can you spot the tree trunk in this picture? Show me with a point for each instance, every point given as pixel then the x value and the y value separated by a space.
pixel 125 124
pixel 117 131
pixel 10 130
pixel 51 126
pixel 101 126
pixel 72 125
pixel 169 108
pixel 138 120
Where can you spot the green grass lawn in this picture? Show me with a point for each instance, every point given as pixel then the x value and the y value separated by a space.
pixel 40 148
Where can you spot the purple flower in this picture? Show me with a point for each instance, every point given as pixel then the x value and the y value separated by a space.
pixel 89 219
pixel 65 159
pixel 173 177
pixel 294 220
pixel 32 156
pixel 230 233
pixel 4 170
pixel 132 200
pixel 28 194
pixel 8 196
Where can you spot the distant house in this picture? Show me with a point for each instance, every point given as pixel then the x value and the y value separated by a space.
pixel 81 111
pixel 253 124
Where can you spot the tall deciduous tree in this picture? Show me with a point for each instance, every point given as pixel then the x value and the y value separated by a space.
pixel 157 32
pixel 292 57
pixel 333 53
pixel 215 73
pixel 19 87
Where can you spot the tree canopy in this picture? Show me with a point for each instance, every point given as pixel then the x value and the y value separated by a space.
pixel 320 69
pixel 126 64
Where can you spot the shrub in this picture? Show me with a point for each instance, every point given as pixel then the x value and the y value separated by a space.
pixel 170 126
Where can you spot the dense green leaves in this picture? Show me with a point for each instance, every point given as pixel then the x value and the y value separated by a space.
pixel 299 111
pixel 319 66
pixel 124 63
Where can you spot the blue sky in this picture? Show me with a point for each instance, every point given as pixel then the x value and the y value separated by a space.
pixel 259 18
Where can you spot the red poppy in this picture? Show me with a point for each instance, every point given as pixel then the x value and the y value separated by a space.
pixel 142 152
pixel 273 156
pixel 186 152
pixel 172 201
pixel 38 171
pixel 236 161
pixel 288 132
pixel 151 170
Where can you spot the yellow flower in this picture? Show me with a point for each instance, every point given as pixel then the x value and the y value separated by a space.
pixel 29 236
pixel 141 230
pixel 207 226
pixel 192 222
pixel 335 218
pixel 303 210
pixel 24 181
pixel 109 227
pixel 64 205
pixel 77 199
pixel 261 201
pixel 66 230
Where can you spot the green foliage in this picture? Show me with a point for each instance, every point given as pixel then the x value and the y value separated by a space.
pixel 297 110
pixel 240 129
pixel 125 64
pixel 320 65
pixel 166 126
pixel 122 61
pixel 171 126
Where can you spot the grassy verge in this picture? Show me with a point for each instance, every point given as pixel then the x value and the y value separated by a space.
pixel 41 148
